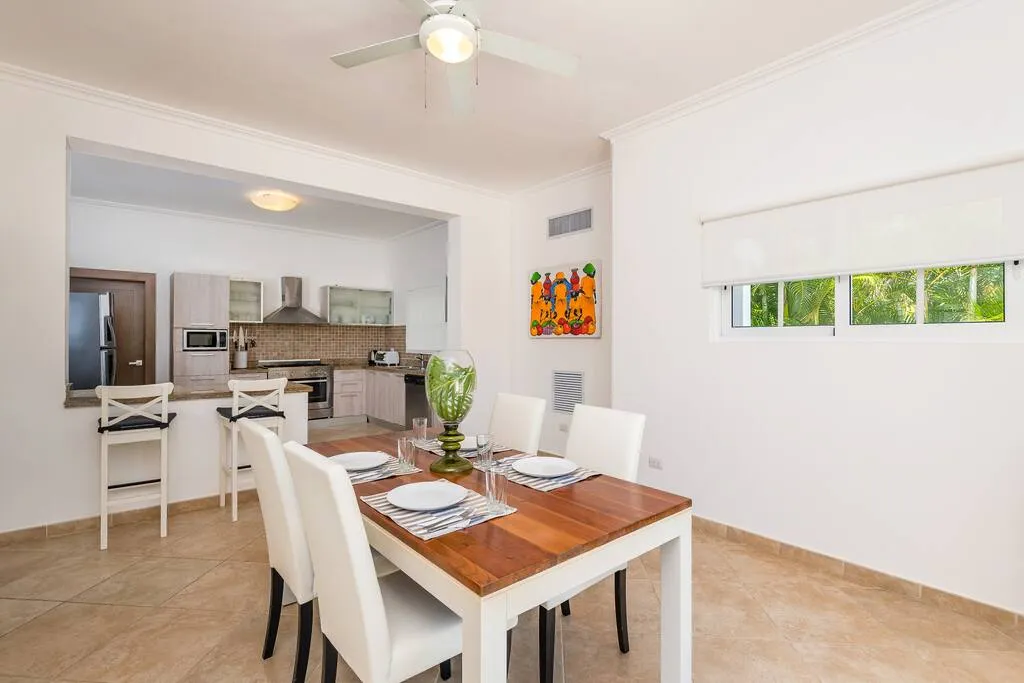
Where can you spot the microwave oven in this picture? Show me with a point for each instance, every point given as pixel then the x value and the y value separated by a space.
pixel 200 339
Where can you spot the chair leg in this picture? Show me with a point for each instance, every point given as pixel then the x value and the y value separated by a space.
pixel 446 669
pixel 547 645
pixel 565 609
pixel 305 634
pixel 329 667
pixel 620 611
pixel 273 613
pixel 508 651
pixel 104 482
pixel 234 471
pixel 163 483
pixel 222 461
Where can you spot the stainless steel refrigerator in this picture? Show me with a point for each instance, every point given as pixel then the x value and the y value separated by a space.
pixel 92 346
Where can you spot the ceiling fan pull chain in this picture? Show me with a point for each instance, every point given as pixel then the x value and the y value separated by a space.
pixel 424 80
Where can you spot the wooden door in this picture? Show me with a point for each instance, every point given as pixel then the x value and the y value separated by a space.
pixel 134 313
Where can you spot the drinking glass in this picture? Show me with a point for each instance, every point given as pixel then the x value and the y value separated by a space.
pixel 419 430
pixel 497 490
pixel 406 452
pixel 485 451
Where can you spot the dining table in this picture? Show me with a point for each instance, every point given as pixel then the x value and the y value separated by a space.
pixel 557 540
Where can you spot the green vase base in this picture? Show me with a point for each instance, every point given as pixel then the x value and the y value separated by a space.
pixel 450 464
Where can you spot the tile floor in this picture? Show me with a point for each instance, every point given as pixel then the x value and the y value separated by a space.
pixel 191 607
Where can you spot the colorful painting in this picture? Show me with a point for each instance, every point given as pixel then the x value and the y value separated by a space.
pixel 564 301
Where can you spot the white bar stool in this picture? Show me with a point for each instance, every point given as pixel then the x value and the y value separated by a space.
pixel 134 423
pixel 258 400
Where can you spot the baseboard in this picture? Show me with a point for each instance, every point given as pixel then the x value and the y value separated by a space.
pixel 862 576
pixel 118 518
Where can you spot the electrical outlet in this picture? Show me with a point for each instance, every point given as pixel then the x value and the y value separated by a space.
pixel 563 427
pixel 654 463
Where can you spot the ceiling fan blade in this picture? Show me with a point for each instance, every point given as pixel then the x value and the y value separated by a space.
pixel 460 86
pixel 525 52
pixel 372 53
pixel 421 7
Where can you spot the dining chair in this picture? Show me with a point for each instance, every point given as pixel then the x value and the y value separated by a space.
pixel 516 421
pixel 286 541
pixel 386 628
pixel 255 399
pixel 145 419
pixel 606 441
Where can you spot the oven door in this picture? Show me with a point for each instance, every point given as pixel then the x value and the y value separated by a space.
pixel 204 340
pixel 320 399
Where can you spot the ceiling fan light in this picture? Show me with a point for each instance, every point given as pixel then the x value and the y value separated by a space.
pixel 452 39
pixel 274 200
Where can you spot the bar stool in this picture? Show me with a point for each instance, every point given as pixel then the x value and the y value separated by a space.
pixel 134 422
pixel 258 400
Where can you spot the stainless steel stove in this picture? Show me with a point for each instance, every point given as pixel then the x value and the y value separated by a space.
pixel 311 372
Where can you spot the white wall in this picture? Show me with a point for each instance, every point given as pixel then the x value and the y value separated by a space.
pixel 534 359
pixel 121 237
pixel 419 266
pixel 904 457
pixel 47 470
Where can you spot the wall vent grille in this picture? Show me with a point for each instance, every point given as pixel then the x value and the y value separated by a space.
pixel 567 391
pixel 570 223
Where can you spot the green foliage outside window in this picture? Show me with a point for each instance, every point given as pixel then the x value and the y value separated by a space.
pixel 809 302
pixel 884 298
pixel 964 294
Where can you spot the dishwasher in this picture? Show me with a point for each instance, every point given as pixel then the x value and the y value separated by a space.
pixel 416 399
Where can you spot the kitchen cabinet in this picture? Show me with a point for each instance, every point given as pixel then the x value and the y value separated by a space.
pixel 349 306
pixel 385 396
pixel 247 376
pixel 245 301
pixel 349 393
pixel 199 363
pixel 199 300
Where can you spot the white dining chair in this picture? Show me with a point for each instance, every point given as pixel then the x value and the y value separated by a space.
pixel 606 441
pixel 145 419
pixel 287 549
pixel 387 629
pixel 516 421
pixel 255 399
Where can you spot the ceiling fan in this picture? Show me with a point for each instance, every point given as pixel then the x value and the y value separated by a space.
pixel 450 31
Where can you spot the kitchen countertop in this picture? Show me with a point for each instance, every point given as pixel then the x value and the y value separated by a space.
pixel 348 364
pixel 86 398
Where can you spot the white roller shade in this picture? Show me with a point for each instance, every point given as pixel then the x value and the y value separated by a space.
pixel 970 217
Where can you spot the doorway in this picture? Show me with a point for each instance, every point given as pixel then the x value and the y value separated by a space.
pixel 133 316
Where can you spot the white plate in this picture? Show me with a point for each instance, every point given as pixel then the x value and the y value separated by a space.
pixel 426 496
pixel 361 460
pixel 545 467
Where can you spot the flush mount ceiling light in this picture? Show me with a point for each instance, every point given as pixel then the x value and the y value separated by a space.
pixel 450 38
pixel 274 200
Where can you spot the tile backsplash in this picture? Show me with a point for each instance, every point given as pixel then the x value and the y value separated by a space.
pixel 337 342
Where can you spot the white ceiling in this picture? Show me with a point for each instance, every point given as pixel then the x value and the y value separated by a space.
pixel 265 63
pixel 223 194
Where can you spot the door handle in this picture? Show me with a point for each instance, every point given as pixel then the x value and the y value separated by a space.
pixel 136 363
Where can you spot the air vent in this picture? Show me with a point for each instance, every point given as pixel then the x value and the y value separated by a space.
pixel 567 392
pixel 570 223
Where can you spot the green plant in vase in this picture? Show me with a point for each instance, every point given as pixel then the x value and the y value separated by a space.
pixel 451 381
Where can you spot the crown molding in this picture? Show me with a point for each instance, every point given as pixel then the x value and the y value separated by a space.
pixel 414 231
pixel 909 16
pixel 81 91
pixel 603 168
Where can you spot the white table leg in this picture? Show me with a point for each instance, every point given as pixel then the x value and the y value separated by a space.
pixel 483 642
pixel 677 607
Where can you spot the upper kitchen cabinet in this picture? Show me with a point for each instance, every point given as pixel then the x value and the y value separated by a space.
pixel 347 306
pixel 199 300
pixel 245 301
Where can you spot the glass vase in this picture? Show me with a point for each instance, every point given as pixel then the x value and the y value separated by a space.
pixel 450 383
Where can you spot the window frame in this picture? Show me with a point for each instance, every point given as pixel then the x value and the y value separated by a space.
pixel 1010 330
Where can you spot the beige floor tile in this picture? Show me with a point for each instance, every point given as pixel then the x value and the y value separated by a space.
pixel 812 613
pixel 217 541
pixel 53 641
pixel 15 564
pixel 229 587
pixel 728 660
pixel 14 613
pixel 594 608
pixel 149 582
pixel 160 648
pixel 725 609
pixel 64 576
pixel 985 667
pixel 756 567
pixel 856 664
pixel 256 551
pixel 595 658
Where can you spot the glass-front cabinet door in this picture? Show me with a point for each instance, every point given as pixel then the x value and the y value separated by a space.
pixel 245 301
pixel 350 306
pixel 374 307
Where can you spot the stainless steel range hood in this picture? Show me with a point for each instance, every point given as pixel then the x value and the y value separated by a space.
pixel 291 311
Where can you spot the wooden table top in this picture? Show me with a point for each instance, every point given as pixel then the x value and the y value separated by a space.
pixel 548 528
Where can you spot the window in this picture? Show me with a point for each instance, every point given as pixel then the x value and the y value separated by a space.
pixel 906 303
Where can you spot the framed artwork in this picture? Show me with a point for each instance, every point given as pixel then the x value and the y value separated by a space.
pixel 565 301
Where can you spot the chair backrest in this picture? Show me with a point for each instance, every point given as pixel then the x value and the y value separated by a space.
pixel 282 519
pixel 154 409
pixel 351 607
pixel 606 440
pixel 247 394
pixel 516 421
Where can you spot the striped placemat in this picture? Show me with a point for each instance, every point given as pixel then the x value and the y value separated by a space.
pixel 434 446
pixel 389 469
pixel 427 525
pixel 545 484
